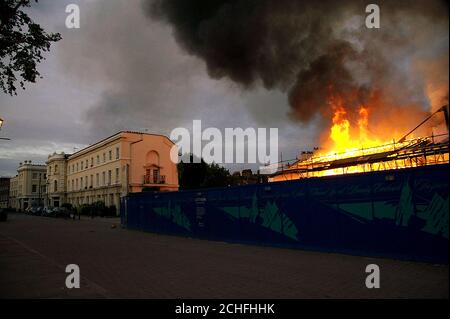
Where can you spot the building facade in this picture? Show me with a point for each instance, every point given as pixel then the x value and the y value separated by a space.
pixel 123 163
pixel 56 179
pixel 28 188
pixel 4 191
pixel 13 191
pixel 120 164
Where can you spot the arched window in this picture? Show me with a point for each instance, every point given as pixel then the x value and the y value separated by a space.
pixel 152 158
pixel 152 168
pixel 55 187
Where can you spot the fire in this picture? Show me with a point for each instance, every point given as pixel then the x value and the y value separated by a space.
pixel 354 137
pixel 349 136
pixel 340 130
pixel 346 140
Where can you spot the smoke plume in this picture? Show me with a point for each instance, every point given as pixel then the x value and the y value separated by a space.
pixel 311 48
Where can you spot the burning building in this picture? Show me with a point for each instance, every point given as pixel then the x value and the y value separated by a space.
pixel 363 88
pixel 366 154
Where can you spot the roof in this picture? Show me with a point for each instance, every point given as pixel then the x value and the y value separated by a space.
pixel 120 132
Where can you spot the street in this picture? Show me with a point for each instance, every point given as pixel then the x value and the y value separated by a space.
pixel 120 263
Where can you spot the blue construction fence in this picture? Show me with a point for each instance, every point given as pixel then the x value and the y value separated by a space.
pixel 401 214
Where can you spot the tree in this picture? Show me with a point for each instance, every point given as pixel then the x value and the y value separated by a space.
pixel 191 175
pixel 201 175
pixel 22 43
pixel 216 176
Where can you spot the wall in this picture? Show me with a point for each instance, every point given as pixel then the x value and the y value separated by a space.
pixel 29 175
pixel 123 155
pixel 4 191
pixel 399 214
pixel 56 176
pixel 160 146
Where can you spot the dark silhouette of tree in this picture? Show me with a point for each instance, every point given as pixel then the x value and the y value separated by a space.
pixel 201 175
pixel 191 175
pixel 22 43
pixel 216 176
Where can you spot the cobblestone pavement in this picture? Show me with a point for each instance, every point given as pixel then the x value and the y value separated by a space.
pixel 120 263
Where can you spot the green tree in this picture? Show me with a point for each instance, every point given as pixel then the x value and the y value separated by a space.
pixel 22 43
pixel 216 176
pixel 201 175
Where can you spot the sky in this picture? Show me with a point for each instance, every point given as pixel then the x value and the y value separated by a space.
pixel 124 69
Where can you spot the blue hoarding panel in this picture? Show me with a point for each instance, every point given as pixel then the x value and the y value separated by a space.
pixel 399 213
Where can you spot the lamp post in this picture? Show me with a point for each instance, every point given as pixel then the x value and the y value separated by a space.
pixel 1 124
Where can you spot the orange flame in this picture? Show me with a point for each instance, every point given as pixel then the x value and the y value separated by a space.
pixel 346 138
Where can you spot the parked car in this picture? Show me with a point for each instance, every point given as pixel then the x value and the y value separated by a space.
pixel 39 211
pixel 33 211
pixel 36 210
pixel 47 211
pixel 61 212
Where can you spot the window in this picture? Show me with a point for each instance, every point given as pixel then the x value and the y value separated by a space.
pixel 77 167
pixel 104 157
pixel 73 168
pixel 45 176
pixel 49 170
pixel 103 178
pixel 110 155
pixel 56 168
pixel 92 181
pixel 81 182
pixel 86 182
pixel 35 176
pixel 72 183
pixel 98 159
pixel 117 175
pixel 109 177
pixel 55 187
pixel 156 176
pixel 76 183
pixel 86 164
pixel 97 179
pixel 117 153
pixel 34 188
pixel 92 161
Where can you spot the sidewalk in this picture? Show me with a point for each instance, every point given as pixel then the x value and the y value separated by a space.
pixel 120 263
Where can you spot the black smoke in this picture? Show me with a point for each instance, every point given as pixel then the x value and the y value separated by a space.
pixel 304 47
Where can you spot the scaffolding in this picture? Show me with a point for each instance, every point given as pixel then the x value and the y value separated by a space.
pixel 416 152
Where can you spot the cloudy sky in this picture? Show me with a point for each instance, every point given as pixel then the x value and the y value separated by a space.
pixel 122 70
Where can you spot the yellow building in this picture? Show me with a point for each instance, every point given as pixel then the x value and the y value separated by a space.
pixel 28 188
pixel 113 167
pixel 56 179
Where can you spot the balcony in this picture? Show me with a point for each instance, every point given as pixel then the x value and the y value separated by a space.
pixel 154 179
